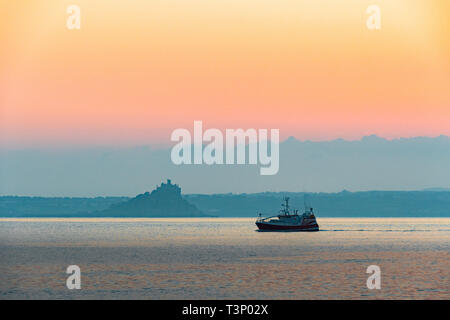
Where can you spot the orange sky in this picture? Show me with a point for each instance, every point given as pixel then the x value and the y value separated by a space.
pixel 136 70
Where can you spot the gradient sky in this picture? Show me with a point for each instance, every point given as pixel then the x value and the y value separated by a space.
pixel 139 69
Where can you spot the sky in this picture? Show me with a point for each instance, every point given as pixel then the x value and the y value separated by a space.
pixel 137 70
pixel 372 163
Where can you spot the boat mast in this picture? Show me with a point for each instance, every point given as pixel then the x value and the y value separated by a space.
pixel 286 206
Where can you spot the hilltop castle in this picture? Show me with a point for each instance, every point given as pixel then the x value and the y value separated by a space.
pixel 167 189
pixel 164 201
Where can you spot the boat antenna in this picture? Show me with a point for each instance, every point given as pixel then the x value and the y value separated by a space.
pixel 286 205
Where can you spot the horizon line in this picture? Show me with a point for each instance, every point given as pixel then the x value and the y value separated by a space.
pixel 431 189
pixel 165 145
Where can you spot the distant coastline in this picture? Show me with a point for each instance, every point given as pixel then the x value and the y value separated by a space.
pixel 425 203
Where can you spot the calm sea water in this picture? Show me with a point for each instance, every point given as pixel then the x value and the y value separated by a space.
pixel 215 258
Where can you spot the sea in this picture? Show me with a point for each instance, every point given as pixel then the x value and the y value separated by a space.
pixel 224 258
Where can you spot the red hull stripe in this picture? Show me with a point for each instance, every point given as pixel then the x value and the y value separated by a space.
pixel 264 226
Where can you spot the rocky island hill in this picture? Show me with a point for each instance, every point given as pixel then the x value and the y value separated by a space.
pixel 164 201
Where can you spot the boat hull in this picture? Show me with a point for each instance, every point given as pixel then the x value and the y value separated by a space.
pixel 275 227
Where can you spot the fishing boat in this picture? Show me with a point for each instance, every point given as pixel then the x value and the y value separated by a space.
pixel 289 220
